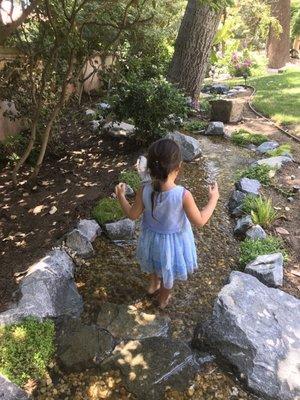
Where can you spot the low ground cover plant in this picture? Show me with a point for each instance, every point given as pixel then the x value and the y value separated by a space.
pixel 243 137
pixel 131 178
pixel 252 248
pixel 107 210
pixel 261 210
pixel 26 349
pixel 262 173
pixel 195 126
pixel 281 150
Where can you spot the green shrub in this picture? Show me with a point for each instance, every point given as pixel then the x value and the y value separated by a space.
pixel 132 179
pixel 252 248
pixel 261 210
pixel 243 137
pixel 107 210
pixel 26 349
pixel 148 103
pixel 195 126
pixel 281 150
pixel 260 172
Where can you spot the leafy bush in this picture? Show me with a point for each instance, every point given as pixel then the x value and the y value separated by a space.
pixel 252 248
pixel 240 64
pixel 132 179
pixel 195 126
pixel 260 172
pixel 149 103
pixel 107 210
pixel 26 349
pixel 243 137
pixel 261 209
pixel 281 150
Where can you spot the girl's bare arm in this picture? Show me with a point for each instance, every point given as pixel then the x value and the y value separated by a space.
pixel 197 217
pixel 133 211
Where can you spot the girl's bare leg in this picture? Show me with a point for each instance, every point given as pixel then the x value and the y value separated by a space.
pixel 164 297
pixel 154 284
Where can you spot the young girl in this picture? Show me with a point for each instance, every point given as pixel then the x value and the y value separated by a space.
pixel 166 248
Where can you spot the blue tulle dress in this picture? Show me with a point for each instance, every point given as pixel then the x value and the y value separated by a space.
pixel 166 245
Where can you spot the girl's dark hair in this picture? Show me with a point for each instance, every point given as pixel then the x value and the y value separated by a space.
pixel 164 156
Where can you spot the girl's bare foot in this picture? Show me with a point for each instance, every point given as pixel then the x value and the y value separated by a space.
pixel 164 298
pixel 154 284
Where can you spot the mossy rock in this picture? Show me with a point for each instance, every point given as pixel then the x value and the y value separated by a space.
pixel 131 178
pixel 107 210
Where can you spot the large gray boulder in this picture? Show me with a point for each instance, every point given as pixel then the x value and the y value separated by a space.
pixel 267 146
pixel 190 147
pixel 235 203
pixel 10 391
pixel 274 162
pixel 148 366
pixel 256 232
pixel 47 290
pixel 242 225
pixel 127 322
pixel 256 329
pixel 79 243
pixel 89 228
pixel 248 186
pixel 120 230
pixel 268 269
pixel 82 346
pixel 215 128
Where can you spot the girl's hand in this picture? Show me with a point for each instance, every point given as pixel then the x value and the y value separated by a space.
pixel 120 190
pixel 213 191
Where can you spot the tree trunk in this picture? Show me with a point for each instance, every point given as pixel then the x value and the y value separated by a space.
pixel 193 46
pixel 278 45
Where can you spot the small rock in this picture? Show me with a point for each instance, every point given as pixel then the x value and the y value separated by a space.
pixel 281 231
pixel 268 269
pixel 235 202
pixel 103 106
pixel 89 228
pixel 89 111
pixel 190 147
pixel 120 230
pixel 296 188
pixel 129 191
pixel 292 177
pixel 248 186
pixel 242 225
pixel 215 128
pixel 256 232
pixel 95 124
pixel 287 208
pixel 290 199
pixel 267 146
pixel 76 241
pixel 53 210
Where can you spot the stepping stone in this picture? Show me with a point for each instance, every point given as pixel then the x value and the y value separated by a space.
pixel 82 346
pixel 126 322
pixel 226 110
pixel 119 129
pixel 274 162
pixel 248 186
pixel 235 202
pixel 10 391
pixel 89 228
pixel 268 269
pixel 267 146
pixel 149 366
pixel 48 290
pixel 215 128
pixel 256 328
pixel 79 243
pixel 256 232
pixel 190 147
pixel 242 225
pixel 120 230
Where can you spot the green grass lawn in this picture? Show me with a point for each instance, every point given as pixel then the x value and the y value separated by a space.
pixel 277 96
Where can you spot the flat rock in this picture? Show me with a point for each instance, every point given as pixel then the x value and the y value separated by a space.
pixel 190 147
pixel 242 225
pixel 274 162
pixel 119 129
pixel 148 366
pixel 256 232
pixel 82 346
pixel 268 269
pixel 267 146
pixel 235 202
pixel 10 391
pixel 248 186
pixel 227 110
pixel 126 322
pixel 256 328
pixel 120 230
pixel 79 243
pixel 47 290
pixel 215 128
pixel 89 228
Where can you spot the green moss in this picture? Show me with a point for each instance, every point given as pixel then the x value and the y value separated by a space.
pixel 107 210
pixel 131 178
pixel 252 248
pixel 243 137
pixel 26 349
pixel 195 126
pixel 260 172
pixel 281 150
pixel 261 210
